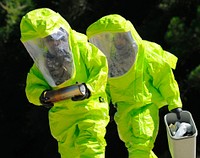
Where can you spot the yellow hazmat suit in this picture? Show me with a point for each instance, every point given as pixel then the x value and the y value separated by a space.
pixel 140 81
pixel 78 126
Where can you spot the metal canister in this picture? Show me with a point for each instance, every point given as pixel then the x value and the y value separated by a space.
pixel 65 93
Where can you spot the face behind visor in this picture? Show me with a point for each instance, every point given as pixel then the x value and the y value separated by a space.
pixel 53 56
pixel 120 50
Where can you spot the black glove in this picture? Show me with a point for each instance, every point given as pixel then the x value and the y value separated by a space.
pixel 177 111
pixel 82 97
pixel 44 100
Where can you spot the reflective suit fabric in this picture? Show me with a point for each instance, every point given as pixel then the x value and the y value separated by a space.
pixel 138 94
pixel 78 126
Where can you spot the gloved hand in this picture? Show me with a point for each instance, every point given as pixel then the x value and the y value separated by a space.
pixel 44 100
pixel 177 111
pixel 80 97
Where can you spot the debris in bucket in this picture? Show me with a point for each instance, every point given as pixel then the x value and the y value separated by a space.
pixel 179 129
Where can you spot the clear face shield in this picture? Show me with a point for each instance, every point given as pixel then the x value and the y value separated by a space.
pixel 120 50
pixel 53 56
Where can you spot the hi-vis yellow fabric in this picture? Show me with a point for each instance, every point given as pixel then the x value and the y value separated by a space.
pixel 151 64
pixel 139 93
pixel 78 126
pixel 33 27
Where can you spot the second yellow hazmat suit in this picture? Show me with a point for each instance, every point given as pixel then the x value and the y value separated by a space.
pixel 140 81
pixel 63 57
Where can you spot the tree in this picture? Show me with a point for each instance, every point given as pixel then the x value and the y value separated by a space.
pixel 12 11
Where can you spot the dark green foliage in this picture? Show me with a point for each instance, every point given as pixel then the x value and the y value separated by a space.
pixel 194 78
pixel 12 12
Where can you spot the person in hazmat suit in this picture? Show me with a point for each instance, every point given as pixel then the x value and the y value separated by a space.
pixel 140 82
pixel 63 57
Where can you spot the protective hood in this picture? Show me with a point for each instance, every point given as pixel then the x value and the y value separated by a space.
pixel 118 40
pixel 113 23
pixel 45 35
pixel 40 23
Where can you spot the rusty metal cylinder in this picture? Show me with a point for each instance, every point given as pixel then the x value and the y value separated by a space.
pixel 65 93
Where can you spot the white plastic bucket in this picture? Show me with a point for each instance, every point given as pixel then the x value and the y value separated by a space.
pixel 185 146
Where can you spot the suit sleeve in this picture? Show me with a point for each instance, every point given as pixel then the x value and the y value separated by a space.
pixel 35 85
pixel 164 80
pixel 97 65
